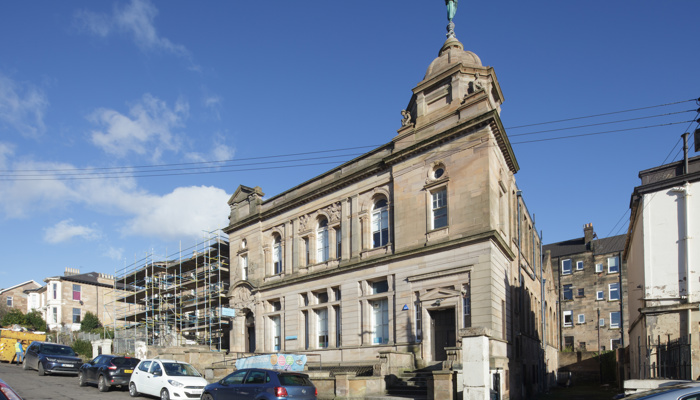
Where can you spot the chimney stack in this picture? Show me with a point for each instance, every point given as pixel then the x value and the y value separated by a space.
pixel 588 234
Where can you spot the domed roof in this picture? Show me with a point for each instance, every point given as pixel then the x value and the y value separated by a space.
pixel 452 52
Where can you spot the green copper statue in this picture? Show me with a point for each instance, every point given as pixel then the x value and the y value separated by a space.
pixel 451 10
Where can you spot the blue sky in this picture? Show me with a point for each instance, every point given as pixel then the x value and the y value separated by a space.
pixel 92 88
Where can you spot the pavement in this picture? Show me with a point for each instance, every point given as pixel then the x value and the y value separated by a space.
pixel 592 391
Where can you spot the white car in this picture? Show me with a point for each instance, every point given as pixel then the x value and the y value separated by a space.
pixel 167 379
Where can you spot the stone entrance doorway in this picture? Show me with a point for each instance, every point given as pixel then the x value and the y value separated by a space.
pixel 443 332
pixel 250 332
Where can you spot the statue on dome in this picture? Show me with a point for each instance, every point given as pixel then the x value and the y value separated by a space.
pixel 451 11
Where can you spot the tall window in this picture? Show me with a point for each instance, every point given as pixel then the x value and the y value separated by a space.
pixel 581 318
pixel 276 333
pixel 614 291
pixel 615 319
pixel 439 208
pixel 600 295
pixel 76 292
pixel 322 241
pixel 55 291
pixel 568 292
pixel 338 326
pixel 306 251
pixel 322 324
pixel 244 267
pixel 9 301
pixel 277 255
pixel 419 320
pixel 338 243
pixel 598 268
pixel 76 315
pixel 566 267
pixel 613 265
pixel 466 307
pixel 380 321
pixel 55 315
pixel 380 223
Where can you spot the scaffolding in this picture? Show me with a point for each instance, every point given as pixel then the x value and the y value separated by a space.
pixel 176 300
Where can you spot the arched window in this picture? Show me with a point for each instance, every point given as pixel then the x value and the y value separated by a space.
pixel 380 223
pixel 277 255
pixel 322 241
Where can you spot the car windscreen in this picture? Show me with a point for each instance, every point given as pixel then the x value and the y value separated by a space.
pixel 57 350
pixel 179 369
pixel 124 362
pixel 295 380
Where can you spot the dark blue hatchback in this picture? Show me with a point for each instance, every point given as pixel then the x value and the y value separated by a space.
pixel 52 358
pixel 253 383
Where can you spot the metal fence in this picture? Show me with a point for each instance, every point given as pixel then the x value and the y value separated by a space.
pixel 671 359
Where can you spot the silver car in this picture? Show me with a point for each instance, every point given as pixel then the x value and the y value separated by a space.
pixel 683 391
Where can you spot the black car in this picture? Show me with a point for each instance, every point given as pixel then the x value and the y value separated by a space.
pixel 51 358
pixel 107 370
pixel 259 384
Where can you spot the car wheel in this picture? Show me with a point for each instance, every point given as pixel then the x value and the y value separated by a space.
pixel 102 384
pixel 25 365
pixel 164 395
pixel 81 379
pixel 132 390
pixel 207 396
pixel 40 369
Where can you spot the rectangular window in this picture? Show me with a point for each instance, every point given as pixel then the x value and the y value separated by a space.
pixel 322 324
pixel 307 251
pixel 580 292
pixel 614 319
pixel 380 287
pixel 322 245
pixel 599 268
pixel 569 342
pixel 76 315
pixel 466 307
pixel 616 343
pixel 55 315
pixel 439 208
pixel 566 267
pixel 380 321
pixel 613 265
pixel 581 319
pixel 568 318
pixel 600 295
pixel 614 291
pixel 55 291
pixel 419 319
pixel 338 243
pixel 579 265
pixel 305 316
pixel 322 297
pixel 276 333
pixel 275 305
pixel 9 301
pixel 76 292
pixel 568 292
pixel 277 257
pixel 380 226
pixel 601 322
pixel 338 326
pixel 244 267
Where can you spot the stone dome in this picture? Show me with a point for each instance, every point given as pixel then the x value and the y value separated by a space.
pixel 452 52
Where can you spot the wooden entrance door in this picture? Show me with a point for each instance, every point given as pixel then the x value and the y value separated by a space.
pixel 443 332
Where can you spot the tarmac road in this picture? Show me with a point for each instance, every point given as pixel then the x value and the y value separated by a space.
pixel 31 386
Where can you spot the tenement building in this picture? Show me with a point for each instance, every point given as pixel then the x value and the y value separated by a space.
pixel 592 282
pixel 421 248
pixel 662 254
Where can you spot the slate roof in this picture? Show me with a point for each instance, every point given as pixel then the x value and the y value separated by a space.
pixel 611 244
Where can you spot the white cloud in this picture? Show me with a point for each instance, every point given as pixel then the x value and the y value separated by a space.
pixel 146 130
pixel 7 150
pixel 114 253
pixel 22 107
pixel 66 230
pixel 220 151
pixel 134 19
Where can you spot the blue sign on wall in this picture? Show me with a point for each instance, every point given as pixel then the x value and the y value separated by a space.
pixel 287 362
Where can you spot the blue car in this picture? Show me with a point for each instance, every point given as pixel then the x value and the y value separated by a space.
pixel 52 358
pixel 258 384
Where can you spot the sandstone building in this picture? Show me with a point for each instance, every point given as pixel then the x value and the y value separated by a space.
pixel 422 247
pixel 662 254
pixel 592 284
pixel 18 296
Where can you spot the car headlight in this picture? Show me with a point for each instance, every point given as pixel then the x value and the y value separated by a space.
pixel 175 383
pixel 51 359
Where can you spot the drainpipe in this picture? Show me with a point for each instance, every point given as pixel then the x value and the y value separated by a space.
pixel 543 310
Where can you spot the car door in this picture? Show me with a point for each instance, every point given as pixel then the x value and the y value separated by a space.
pixel 31 356
pixel 228 388
pixel 138 377
pixel 90 369
pixel 154 379
pixel 253 384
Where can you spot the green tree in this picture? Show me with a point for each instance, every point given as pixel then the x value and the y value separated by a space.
pixel 14 316
pixel 35 321
pixel 90 322
pixel 3 311
pixel 83 348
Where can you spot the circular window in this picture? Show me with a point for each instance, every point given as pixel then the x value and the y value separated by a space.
pixel 438 173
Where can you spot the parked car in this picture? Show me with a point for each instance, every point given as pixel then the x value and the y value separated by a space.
pixel 166 379
pixel 7 393
pixel 107 370
pixel 51 358
pixel 685 391
pixel 254 383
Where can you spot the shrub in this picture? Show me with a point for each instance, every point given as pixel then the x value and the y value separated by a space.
pixel 14 316
pixel 83 348
pixel 35 321
pixel 90 322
